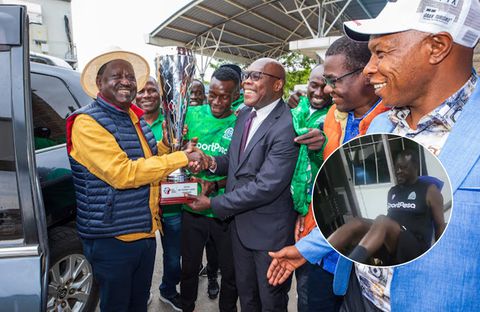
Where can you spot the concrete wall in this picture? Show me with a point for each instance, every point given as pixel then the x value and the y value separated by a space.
pixel 47 29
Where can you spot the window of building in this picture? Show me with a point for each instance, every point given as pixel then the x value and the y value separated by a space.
pixel 367 158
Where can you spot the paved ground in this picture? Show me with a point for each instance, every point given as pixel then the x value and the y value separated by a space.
pixel 203 304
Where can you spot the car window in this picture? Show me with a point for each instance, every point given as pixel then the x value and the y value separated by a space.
pixel 52 102
pixel 10 215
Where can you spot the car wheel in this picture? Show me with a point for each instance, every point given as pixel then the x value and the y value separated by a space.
pixel 71 286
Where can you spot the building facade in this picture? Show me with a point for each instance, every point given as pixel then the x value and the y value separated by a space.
pixel 50 28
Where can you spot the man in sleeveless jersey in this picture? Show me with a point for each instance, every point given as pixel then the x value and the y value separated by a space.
pixel 415 211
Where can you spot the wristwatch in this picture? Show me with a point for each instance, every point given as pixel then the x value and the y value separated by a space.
pixel 213 164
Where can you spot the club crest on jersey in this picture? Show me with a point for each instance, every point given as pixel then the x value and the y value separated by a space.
pixel 228 133
pixel 412 196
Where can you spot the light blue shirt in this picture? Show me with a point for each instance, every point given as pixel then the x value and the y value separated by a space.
pixel 314 247
pixel 447 278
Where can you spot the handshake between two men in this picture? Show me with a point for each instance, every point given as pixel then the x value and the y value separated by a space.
pixel 313 139
pixel 197 160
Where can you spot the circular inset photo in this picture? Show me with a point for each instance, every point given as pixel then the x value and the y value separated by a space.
pixel 382 200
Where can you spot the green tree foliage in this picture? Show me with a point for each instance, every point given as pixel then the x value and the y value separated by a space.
pixel 216 63
pixel 298 69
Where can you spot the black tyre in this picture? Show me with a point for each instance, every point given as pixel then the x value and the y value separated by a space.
pixel 71 286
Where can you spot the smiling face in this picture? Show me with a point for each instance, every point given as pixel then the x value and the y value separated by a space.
pixel 148 98
pixel 347 90
pixel 267 89
pixel 197 93
pixel 316 96
pixel 398 68
pixel 117 84
pixel 221 94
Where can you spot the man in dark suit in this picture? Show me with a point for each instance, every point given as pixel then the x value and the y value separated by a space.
pixel 259 167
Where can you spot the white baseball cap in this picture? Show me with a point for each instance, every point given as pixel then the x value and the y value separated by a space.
pixel 460 18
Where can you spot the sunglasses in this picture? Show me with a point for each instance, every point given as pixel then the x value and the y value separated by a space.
pixel 256 75
pixel 332 81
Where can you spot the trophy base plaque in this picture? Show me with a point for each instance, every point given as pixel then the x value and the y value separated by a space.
pixel 172 191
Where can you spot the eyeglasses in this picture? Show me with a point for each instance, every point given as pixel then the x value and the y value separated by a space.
pixel 332 81
pixel 256 75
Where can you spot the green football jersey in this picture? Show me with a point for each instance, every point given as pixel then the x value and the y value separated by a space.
pixel 214 138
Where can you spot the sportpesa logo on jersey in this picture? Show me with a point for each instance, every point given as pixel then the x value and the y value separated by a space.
pixel 214 147
pixel 402 204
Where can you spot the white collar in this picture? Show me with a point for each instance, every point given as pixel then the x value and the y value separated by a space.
pixel 263 112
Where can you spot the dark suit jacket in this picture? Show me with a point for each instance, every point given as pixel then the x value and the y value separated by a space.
pixel 258 184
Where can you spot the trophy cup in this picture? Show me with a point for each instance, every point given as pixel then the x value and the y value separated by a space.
pixel 175 71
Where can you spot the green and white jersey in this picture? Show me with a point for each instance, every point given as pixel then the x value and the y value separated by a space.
pixel 214 138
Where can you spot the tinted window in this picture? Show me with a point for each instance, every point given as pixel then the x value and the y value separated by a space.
pixel 10 217
pixel 52 102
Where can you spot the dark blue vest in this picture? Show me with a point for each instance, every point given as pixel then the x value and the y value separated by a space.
pixel 103 211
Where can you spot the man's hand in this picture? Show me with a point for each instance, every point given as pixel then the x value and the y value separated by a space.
pixel 284 262
pixel 314 139
pixel 191 145
pixel 200 202
pixel 208 187
pixel 299 227
pixel 197 160
pixel 165 133
pixel 294 99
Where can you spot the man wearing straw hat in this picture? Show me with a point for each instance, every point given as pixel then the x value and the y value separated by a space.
pixel 116 166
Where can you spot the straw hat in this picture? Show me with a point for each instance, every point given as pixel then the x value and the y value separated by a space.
pixel 89 74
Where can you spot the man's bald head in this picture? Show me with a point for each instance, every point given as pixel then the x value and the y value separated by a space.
pixel 265 83
pixel 273 66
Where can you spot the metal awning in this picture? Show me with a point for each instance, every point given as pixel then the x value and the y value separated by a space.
pixel 243 30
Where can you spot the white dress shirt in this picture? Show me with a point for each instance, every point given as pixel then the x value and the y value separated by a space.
pixel 262 114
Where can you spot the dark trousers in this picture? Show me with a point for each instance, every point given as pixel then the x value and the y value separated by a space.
pixel 196 229
pixel 171 240
pixel 301 275
pixel 212 258
pixel 320 294
pixel 354 301
pixel 123 271
pixel 255 293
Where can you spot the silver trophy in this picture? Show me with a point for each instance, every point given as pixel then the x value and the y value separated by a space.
pixel 175 71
